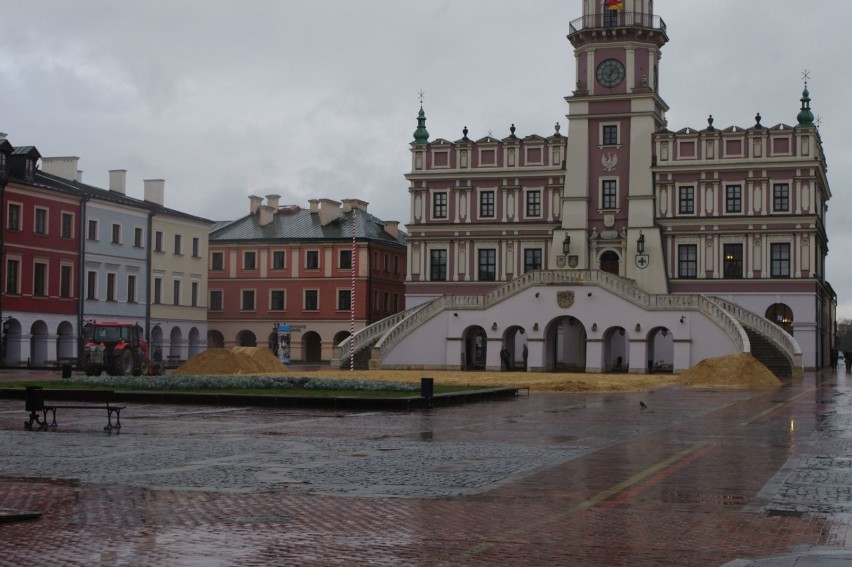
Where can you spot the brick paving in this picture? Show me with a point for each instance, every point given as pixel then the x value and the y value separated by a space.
pixel 698 478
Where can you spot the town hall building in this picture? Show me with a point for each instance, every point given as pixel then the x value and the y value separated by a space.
pixel 621 244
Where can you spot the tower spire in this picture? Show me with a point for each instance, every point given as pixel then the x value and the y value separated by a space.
pixel 421 135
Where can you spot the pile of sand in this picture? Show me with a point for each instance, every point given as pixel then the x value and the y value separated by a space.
pixel 237 360
pixel 734 370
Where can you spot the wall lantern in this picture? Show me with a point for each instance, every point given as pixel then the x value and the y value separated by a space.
pixel 494 326
pixel 640 243
pixel 638 327
pixel 594 326
pixel 566 244
pixel 665 332
pixel 683 319
pixel 535 326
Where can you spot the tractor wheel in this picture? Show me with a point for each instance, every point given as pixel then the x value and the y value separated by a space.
pixel 142 369
pixel 122 364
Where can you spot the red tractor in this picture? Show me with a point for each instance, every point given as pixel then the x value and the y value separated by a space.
pixel 118 348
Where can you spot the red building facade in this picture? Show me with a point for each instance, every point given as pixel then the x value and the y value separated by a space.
pixel 303 268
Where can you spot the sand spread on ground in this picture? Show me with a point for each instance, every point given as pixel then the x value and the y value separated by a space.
pixel 739 370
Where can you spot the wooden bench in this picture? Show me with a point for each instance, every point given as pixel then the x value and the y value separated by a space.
pixel 35 404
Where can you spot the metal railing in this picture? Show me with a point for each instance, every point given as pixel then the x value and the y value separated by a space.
pixel 617 19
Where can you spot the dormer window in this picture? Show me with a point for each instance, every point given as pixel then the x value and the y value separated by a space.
pixel 29 168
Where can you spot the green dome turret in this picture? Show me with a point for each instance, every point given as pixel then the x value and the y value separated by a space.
pixel 421 135
pixel 806 117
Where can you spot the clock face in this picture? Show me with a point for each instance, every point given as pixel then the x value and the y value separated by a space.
pixel 610 73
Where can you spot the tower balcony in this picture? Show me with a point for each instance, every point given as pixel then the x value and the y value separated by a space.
pixel 616 23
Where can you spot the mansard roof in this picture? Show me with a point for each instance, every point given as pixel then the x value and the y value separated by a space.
pixel 303 225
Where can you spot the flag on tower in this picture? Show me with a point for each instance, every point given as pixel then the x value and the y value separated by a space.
pixel 615 5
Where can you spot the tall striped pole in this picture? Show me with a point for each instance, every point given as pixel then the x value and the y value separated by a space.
pixel 352 301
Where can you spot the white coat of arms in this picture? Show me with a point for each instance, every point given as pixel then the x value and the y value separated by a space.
pixel 609 160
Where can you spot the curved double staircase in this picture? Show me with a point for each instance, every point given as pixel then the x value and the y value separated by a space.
pixel 750 332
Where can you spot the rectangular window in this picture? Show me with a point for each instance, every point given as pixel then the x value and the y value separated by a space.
pixel 438 265
pixel 687 261
pixel 12 267
pixel 611 18
pixel 248 300
pixel 92 230
pixel 781 197
pixel 158 290
pixel 344 299
pixel 396 264
pixel 278 260
pixel 345 259
pixel 387 263
pixel 276 300
pixel 40 279
pixel 249 260
pixel 487 265
pixel 131 288
pixel 217 261
pixel 137 237
pixel 610 135
pixel 533 203
pixel 91 285
pixel 65 281
pixel 311 300
pixel 196 247
pixel 385 302
pixel 312 260
pixel 733 260
pixel 41 221
pixel 176 292
pixel 215 300
pixel 178 244
pixel 608 194
pixel 439 205
pixel 486 204
pixel 158 241
pixel 532 259
pixel 780 257
pixel 67 228
pixel 14 217
pixel 193 291
pixel 110 295
pixel 686 200
pixel 733 199
pixel 116 234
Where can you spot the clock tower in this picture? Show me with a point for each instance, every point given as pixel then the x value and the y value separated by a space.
pixel 608 199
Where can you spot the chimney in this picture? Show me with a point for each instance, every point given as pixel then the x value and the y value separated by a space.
pixel 329 211
pixel 64 167
pixel 347 205
pixel 267 214
pixel 118 180
pixel 272 201
pixel 155 190
pixel 254 203
pixel 392 228
pixel 314 205
pixel 79 176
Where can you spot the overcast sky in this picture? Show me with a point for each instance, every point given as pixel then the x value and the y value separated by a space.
pixel 224 99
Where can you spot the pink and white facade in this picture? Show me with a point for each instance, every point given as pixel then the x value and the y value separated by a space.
pixel 623 245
